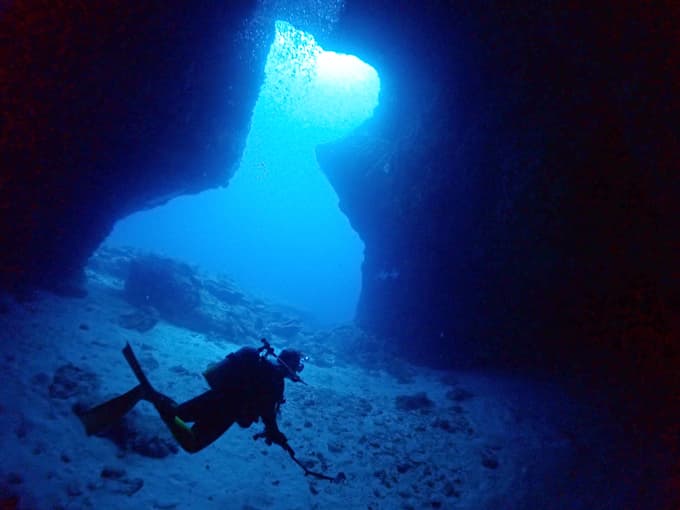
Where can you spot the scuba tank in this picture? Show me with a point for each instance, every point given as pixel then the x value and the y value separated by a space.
pixel 238 366
pixel 231 371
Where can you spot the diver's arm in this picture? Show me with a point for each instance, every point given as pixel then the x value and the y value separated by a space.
pixel 271 429
pixel 272 434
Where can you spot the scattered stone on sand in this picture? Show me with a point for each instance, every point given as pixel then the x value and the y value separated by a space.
pixel 335 446
pixel 180 370
pixel 149 362
pixel 403 467
pixel 455 424
pixel 40 379
pixel 364 407
pixel 128 486
pixel 450 489
pixel 141 320
pixel 489 459
pixel 112 472
pixel 387 480
pixel 416 402
pixel 73 489
pixel 71 381
pixel 144 435
pixel 155 447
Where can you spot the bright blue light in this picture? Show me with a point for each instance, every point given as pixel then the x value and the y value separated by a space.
pixel 277 229
pixel 326 92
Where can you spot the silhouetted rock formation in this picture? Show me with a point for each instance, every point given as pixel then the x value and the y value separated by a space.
pixel 111 108
pixel 514 189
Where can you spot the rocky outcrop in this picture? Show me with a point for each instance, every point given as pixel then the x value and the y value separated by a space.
pixel 109 109
pixel 170 287
pixel 159 288
pixel 514 187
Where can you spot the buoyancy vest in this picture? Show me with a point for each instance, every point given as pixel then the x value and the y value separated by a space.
pixel 251 379
pixel 233 371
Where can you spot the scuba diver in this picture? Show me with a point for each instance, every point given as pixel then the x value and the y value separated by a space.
pixel 244 387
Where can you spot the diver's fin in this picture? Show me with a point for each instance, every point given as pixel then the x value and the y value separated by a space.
pixel 137 369
pixel 104 415
pixel 164 405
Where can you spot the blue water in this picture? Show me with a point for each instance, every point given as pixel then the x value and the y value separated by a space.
pixel 276 229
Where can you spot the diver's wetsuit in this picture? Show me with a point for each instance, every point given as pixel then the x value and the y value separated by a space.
pixel 244 387
pixel 245 397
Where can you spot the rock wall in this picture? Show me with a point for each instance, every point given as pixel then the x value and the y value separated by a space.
pixel 112 107
pixel 108 108
pixel 514 189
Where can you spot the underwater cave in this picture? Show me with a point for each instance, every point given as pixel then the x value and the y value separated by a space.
pixel 275 227
pixel 298 254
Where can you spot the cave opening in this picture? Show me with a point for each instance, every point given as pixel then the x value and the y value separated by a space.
pixel 276 229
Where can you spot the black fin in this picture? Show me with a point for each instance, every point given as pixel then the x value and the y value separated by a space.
pixel 104 415
pixel 137 369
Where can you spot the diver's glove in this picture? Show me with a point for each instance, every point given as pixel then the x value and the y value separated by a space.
pixel 276 437
pixel 272 437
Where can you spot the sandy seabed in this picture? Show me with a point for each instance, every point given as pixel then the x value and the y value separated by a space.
pixel 487 441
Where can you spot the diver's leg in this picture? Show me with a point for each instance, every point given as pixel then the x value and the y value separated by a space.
pixel 165 406
pixel 207 411
pixel 104 415
pixel 201 434
pixel 204 406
